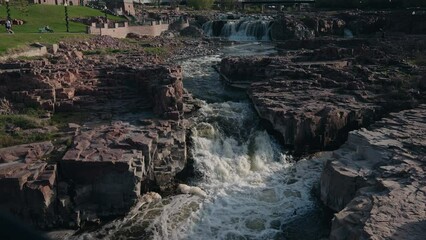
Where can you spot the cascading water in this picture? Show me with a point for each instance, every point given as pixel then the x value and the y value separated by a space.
pixel 242 30
pixel 253 189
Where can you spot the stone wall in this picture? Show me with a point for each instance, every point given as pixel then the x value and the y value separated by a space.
pixel 121 31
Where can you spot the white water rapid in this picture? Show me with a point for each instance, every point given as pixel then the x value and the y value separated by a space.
pixel 250 187
pixel 241 30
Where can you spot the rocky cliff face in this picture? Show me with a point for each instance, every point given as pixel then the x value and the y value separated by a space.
pixel 84 85
pixel 313 98
pixel 27 183
pixel 308 26
pixel 101 168
pixel 376 180
pixel 109 167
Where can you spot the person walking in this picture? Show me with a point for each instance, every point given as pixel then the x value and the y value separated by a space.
pixel 8 25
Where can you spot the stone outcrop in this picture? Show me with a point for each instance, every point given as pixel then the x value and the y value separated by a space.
pixel 101 168
pixel 307 26
pixel 288 27
pixel 85 84
pixel 192 31
pixel 28 182
pixel 376 180
pixel 313 98
pixel 109 167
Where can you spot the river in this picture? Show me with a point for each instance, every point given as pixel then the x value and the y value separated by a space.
pixel 254 188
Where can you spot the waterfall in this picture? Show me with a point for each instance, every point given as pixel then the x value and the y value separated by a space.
pixel 252 186
pixel 243 30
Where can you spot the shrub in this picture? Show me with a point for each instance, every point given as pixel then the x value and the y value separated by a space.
pixel 370 3
pixel 200 4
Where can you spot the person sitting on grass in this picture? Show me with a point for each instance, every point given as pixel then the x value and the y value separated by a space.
pixel 8 25
pixel 48 29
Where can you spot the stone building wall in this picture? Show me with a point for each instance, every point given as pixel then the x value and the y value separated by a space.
pixel 118 31
pixel 128 7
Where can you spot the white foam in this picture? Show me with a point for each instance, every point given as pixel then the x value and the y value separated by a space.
pixel 183 188
pixel 246 185
pixel 150 197
pixel 249 186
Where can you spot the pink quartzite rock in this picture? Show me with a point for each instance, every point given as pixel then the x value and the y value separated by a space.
pixel 376 180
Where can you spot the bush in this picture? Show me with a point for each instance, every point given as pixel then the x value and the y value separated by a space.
pixel 228 4
pixel 370 3
pixel 201 4
pixel 20 123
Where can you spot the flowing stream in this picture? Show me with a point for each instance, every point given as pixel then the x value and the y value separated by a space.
pixel 239 30
pixel 254 189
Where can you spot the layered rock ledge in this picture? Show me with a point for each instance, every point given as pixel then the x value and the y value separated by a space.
pixel 376 180
pixel 131 138
pixel 313 98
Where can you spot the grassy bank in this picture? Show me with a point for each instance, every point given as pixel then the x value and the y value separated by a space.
pixel 21 133
pixel 38 16
pixel 10 43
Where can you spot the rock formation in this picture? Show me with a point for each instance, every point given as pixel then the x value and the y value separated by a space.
pixel 313 98
pixel 376 180
pixel 99 169
pixel 109 167
pixel 27 182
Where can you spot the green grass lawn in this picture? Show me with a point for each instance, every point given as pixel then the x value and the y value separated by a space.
pixel 39 16
pixel 12 42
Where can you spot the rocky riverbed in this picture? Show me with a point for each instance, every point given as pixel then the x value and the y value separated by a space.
pixel 130 137
pixel 112 131
pixel 317 90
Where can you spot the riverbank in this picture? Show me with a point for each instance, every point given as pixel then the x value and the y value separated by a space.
pixel 319 89
pixel 108 110
pixel 121 126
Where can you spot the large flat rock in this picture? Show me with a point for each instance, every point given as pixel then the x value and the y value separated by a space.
pixel 313 97
pixel 110 166
pixel 376 180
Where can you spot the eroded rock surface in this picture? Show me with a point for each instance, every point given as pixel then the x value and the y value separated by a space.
pixel 376 180
pixel 27 183
pixel 313 98
pixel 131 138
pixel 109 167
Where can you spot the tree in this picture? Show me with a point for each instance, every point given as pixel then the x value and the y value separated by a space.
pixel 228 4
pixel 156 2
pixel 174 3
pixel 200 4
pixel 21 5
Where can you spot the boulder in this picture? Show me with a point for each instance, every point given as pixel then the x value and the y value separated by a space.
pixel 290 28
pixel 192 31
